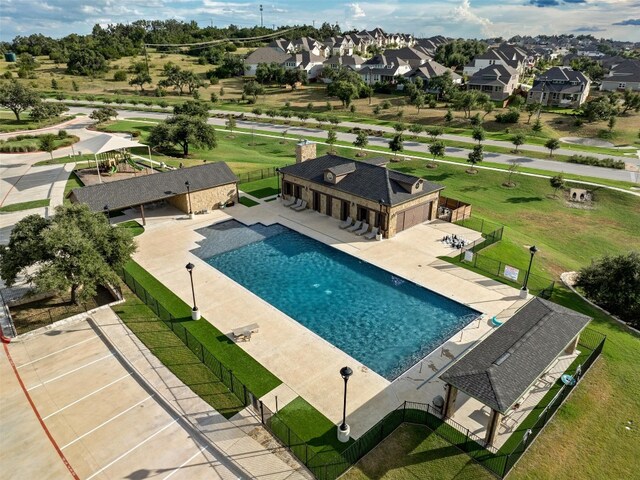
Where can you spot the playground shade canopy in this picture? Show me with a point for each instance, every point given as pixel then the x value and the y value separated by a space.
pixel 106 143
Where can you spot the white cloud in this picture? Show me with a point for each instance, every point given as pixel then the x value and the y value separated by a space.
pixel 356 10
pixel 464 13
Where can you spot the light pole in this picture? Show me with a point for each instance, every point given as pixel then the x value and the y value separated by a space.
pixel 188 185
pixel 107 213
pixel 344 430
pixel 544 84
pixel 524 291
pixel 195 313
pixel 278 174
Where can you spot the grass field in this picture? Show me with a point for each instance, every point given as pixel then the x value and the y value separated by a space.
pixel 73 182
pixel 132 226
pixel 261 188
pixel 16 207
pixel 415 452
pixel 8 122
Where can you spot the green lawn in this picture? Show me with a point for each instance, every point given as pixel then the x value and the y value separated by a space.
pixel 415 452
pixel 247 202
pixel 33 144
pixel 73 182
pixel 131 225
pixel 16 207
pixel 261 188
pixel 8 122
pixel 175 355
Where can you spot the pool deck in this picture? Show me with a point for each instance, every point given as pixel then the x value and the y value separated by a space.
pixel 307 364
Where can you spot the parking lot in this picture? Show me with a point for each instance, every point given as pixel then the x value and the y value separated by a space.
pixel 96 420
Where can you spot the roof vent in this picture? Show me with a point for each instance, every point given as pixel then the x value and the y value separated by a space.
pixel 502 358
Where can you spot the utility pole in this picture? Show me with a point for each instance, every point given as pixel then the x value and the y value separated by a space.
pixel 261 20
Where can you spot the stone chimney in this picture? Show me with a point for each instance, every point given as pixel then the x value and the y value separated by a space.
pixel 305 150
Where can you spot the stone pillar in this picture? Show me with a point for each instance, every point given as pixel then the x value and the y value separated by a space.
pixel 492 427
pixel 305 150
pixel 572 346
pixel 450 402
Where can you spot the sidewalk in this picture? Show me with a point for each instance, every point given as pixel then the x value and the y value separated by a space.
pixel 227 438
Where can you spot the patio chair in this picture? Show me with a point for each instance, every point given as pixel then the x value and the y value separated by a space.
pixel 291 201
pixel 300 207
pixel 297 204
pixel 363 229
pixel 355 226
pixel 372 234
pixel 346 224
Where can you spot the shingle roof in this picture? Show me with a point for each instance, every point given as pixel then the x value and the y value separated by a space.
pixel 627 71
pixel 432 69
pixel 500 369
pixel 266 55
pixel 154 187
pixel 367 181
pixel 492 75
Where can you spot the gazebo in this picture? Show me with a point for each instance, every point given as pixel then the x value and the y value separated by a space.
pixel 501 370
pixel 103 144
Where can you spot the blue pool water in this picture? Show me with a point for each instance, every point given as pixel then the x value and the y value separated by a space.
pixel 381 320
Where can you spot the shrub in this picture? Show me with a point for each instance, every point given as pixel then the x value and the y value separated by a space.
pixel 120 76
pixel 163 103
pixel 597 162
pixel 7 75
pixel 512 116
pixel 62 134
pixel 386 105
pixel 90 98
pixel 60 96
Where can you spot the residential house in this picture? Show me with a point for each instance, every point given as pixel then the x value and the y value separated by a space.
pixel 306 60
pixel 505 54
pixel 309 44
pixel 560 87
pixel 383 69
pixel 341 188
pixel 498 81
pixel 414 56
pixel 264 55
pixel 352 61
pixel 432 69
pixel 339 45
pixel 623 76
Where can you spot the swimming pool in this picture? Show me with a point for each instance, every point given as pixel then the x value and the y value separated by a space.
pixel 381 320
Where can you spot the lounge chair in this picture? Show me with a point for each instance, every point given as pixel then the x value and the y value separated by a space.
pixel 244 333
pixel 300 207
pixel 363 230
pixel 355 226
pixel 372 234
pixel 297 204
pixel 291 201
pixel 347 223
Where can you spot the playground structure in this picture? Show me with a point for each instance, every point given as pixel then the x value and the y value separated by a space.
pixel 115 161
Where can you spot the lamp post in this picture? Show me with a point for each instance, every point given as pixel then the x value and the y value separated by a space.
pixel 344 430
pixel 107 213
pixel 188 185
pixel 524 291
pixel 278 174
pixel 544 84
pixel 195 313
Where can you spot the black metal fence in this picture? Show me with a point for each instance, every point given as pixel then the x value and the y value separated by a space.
pixel 257 175
pixel 330 464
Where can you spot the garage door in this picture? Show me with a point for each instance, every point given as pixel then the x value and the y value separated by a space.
pixel 413 216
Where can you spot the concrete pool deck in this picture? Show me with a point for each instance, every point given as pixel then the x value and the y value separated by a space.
pixel 165 248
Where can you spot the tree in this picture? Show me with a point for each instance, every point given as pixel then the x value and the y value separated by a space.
pixel 513 166
pixel 399 127
pixel 631 101
pixel 518 139
pixel 345 91
pixel 556 183
pixel 488 108
pixel 253 89
pixel 435 132
pixel 140 79
pixel 192 108
pixel 552 144
pixel 257 111
pixel 87 62
pixel 104 114
pixel 533 109
pixel 47 143
pixel 475 156
pixel 295 76
pixel 437 149
pixel 612 123
pixel 478 135
pixel 361 141
pixel 599 109
pixel 416 129
pixel 17 97
pixel 231 123
pixel 443 84
pixel 184 131
pixel 26 65
pixel 396 144
pixel 537 126
pixel 418 102
pixel 45 110
pixel 448 117
pixel 332 138
pixel 613 282
pixel 74 250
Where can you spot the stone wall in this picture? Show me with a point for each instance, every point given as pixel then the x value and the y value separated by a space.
pixel 209 199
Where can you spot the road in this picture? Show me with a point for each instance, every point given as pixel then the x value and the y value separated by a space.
pixel 410 146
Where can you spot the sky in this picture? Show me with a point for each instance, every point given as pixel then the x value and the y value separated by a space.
pixel 618 19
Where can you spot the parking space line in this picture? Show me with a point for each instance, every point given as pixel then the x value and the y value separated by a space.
pixel 175 470
pixel 58 351
pixel 86 396
pixel 105 423
pixel 35 411
pixel 109 355
pixel 98 472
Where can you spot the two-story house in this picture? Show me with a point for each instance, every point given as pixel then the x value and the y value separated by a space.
pixel 306 60
pixel 623 76
pixel 560 87
pixel 429 70
pixel 264 55
pixel 498 81
pixel 383 69
pixel 505 54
